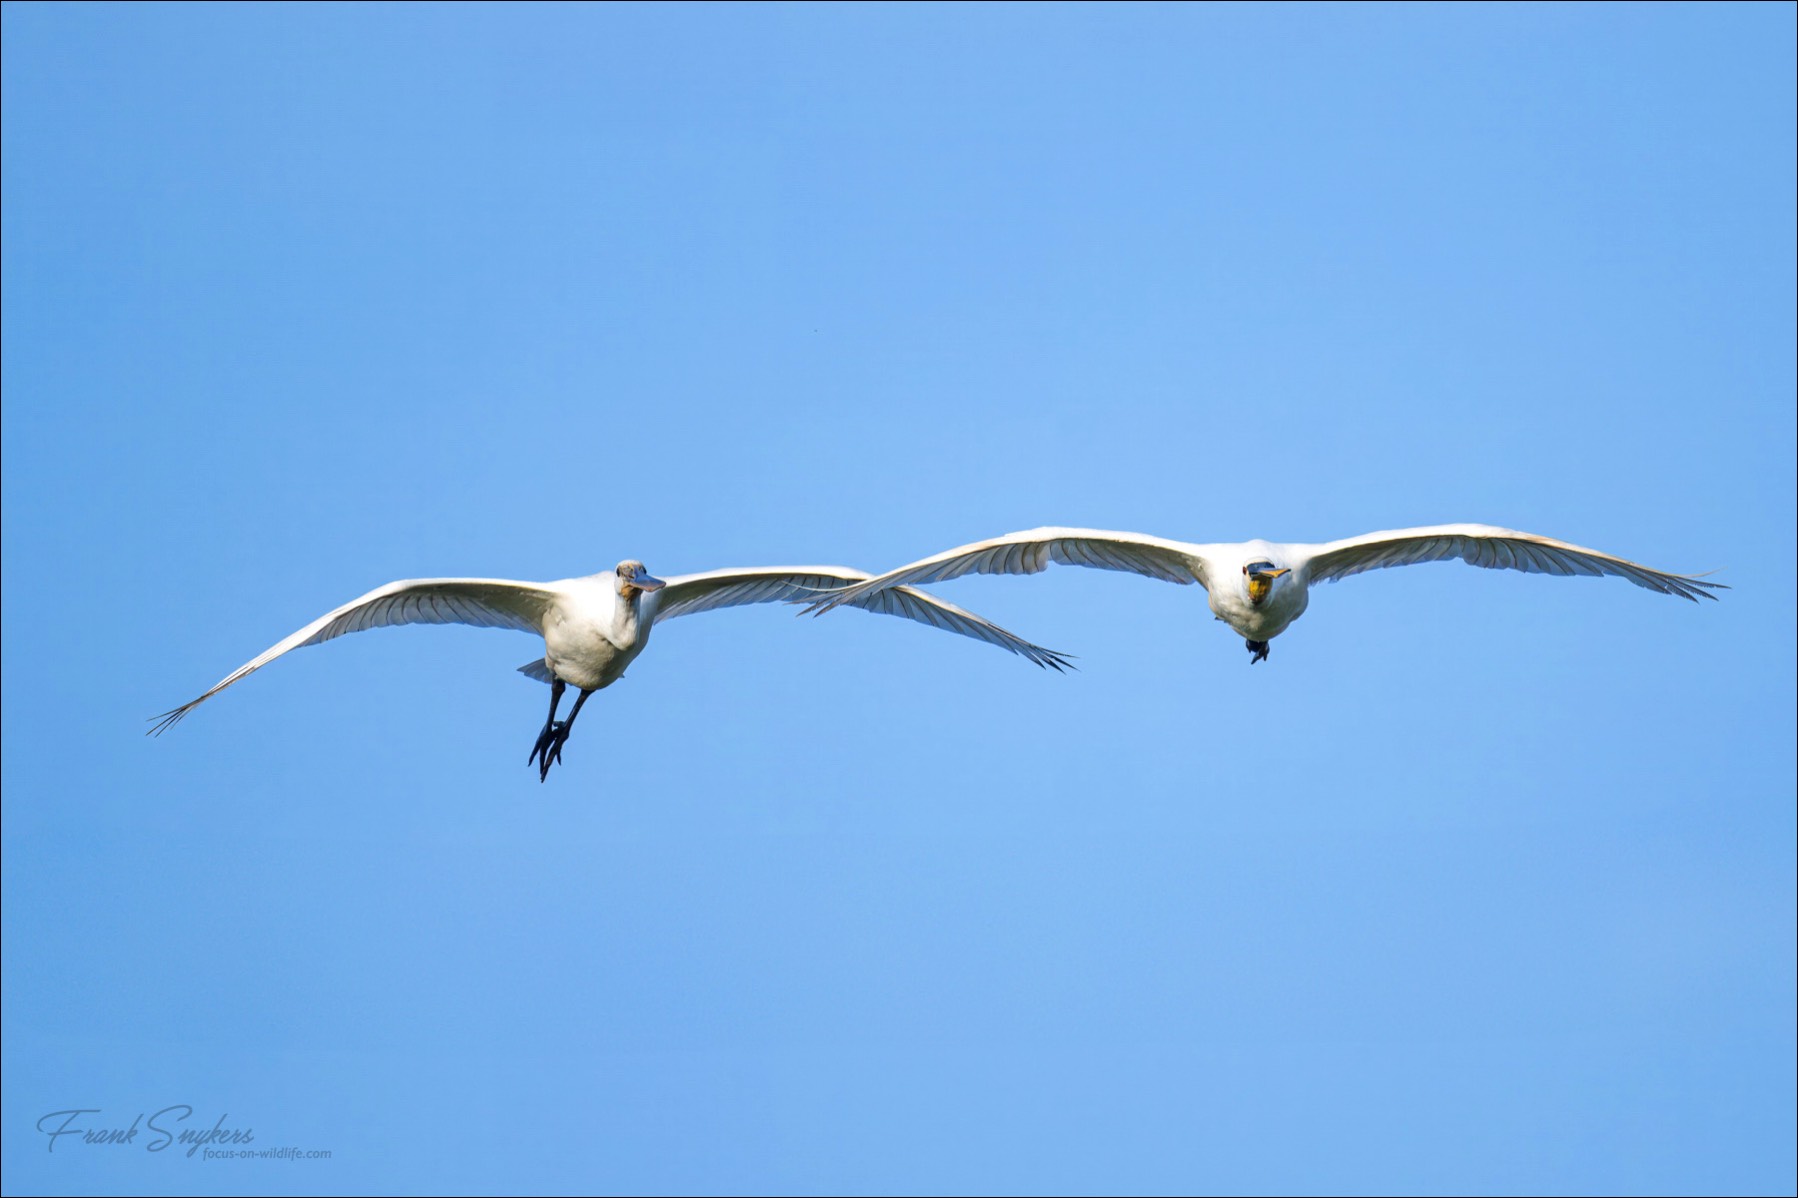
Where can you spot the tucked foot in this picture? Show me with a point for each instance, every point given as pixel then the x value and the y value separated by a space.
pixel 1257 651
pixel 548 749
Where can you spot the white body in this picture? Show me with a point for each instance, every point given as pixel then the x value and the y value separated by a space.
pixel 591 633
pixel 1229 595
pixel 1223 569
pixel 593 628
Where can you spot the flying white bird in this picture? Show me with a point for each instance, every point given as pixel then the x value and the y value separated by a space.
pixel 594 627
pixel 1260 587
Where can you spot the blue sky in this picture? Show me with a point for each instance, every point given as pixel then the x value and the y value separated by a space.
pixel 1484 882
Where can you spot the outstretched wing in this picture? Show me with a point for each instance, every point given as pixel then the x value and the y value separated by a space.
pixel 691 593
pixel 483 602
pixel 1031 552
pixel 1492 548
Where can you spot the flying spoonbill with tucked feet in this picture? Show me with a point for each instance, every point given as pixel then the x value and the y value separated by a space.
pixel 1259 588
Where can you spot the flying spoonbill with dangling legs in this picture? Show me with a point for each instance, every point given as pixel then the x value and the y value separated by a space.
pixel 594 627
pixel 1259 588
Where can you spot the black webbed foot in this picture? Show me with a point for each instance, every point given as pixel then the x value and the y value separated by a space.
pixel 1257 651
pixel 548 749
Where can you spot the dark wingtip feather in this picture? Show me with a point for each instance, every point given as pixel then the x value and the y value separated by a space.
pixel 166 720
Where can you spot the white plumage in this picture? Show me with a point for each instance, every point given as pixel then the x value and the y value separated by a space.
pixel 1260 587
pixel 594 627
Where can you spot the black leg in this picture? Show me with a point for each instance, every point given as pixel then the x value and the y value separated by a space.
pixel 1257 651
pixel 549 726
pixel 556 753
pixel 555 735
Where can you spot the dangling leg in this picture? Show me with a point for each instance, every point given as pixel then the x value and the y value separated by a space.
pixel 555 751
pixel 1257 651
pixel 549 726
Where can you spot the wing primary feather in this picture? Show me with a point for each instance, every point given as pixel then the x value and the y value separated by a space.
pixel 482 602
pixel 1493 549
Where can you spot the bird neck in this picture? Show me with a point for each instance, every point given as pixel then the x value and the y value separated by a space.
pixel 627 616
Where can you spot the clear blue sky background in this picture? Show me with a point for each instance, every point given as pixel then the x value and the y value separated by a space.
pixel 1484 882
